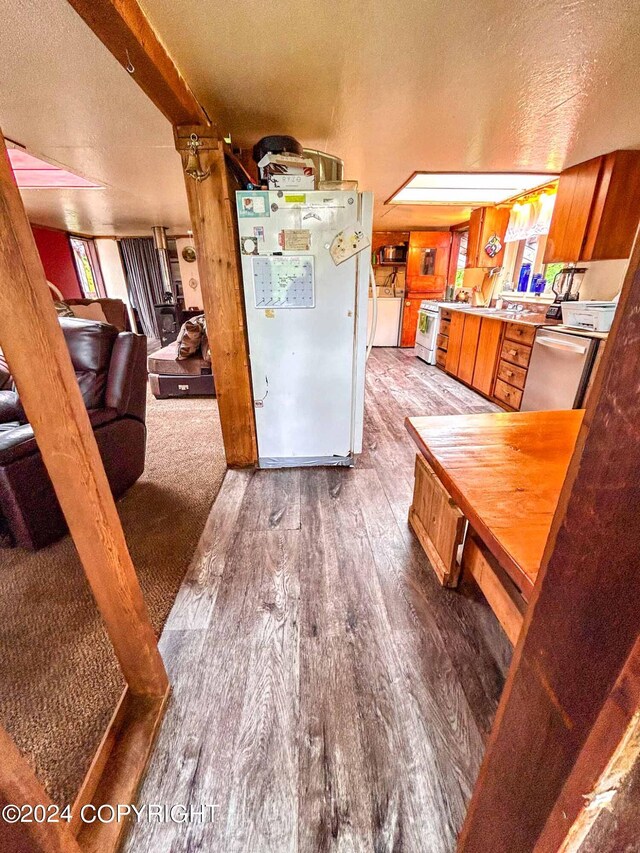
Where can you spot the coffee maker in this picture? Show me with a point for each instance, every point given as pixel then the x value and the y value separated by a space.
pixel 566 286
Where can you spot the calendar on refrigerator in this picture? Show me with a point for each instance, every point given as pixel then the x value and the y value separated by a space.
pixel 283 281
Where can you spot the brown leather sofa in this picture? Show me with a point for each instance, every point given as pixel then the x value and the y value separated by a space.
pixel 111 371
pixel 114 310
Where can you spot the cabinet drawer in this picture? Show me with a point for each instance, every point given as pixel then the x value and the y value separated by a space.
pixel 444 327
pixel 442 342
pixel 516 353
pixel 508 394
pixel 520 332
pixel 512 374
pixel 441 357
pixel 445 315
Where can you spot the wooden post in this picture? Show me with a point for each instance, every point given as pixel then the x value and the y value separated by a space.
pixel 212 209
pixel 582 622
pixel 34 345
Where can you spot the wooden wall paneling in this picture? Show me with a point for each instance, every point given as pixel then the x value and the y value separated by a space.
pixel 19 786
pixel 213 220
pixel 49 392
pixel 469 347
pixel 456 331
pixel 123 28
pixel 487 355
pixel 583 620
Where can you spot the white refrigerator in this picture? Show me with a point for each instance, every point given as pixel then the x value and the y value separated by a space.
pixel 306 321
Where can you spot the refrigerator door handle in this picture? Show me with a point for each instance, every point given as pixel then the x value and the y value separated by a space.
pixel 552 344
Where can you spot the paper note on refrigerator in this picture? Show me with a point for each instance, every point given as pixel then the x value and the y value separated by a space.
pixel 348 242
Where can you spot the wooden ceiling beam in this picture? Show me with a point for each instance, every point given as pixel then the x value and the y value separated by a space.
pixel 124 29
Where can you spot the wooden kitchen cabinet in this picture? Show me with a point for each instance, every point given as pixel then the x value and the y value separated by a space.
pixel 483 224
pixel 469 347
pixel 428 262
pixel 411 306
pixel 487 355
pixel 597 210
pixel 456 331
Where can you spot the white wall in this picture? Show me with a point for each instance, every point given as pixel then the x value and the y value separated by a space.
pixel 189 273
pixel 113 272
pixel 603 280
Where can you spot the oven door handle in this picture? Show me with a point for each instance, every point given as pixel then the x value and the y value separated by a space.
pixel 553 344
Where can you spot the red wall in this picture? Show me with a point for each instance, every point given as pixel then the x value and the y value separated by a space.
pixel 57 260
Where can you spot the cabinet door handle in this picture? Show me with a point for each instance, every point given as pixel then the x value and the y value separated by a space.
pixel 512 351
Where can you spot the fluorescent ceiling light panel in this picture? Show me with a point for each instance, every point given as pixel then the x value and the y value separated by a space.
pixel 34 174
pixel 467 188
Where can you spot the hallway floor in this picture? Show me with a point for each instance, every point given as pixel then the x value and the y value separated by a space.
pixel 328 694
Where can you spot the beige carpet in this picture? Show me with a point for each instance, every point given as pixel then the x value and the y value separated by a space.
pixel 59 680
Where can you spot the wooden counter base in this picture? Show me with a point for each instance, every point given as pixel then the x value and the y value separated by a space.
pixel 437 522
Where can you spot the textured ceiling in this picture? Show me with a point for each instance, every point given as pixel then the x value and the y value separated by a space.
pixel 391 87
pixel 66 98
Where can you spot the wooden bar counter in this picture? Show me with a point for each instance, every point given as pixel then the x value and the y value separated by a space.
pixel 504 473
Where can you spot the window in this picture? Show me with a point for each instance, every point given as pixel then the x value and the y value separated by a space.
pixel 88 267
pixel 523 269
pixel 462 258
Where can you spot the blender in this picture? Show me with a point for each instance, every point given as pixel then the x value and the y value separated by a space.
pixel 566 286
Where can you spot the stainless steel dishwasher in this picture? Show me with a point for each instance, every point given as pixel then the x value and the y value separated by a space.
pixel 558 371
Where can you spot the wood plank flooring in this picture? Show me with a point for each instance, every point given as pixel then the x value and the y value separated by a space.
pixel 328 694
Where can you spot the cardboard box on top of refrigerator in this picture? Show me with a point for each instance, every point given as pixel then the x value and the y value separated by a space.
pixel 287 172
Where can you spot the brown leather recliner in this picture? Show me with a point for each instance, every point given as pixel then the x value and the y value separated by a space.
pixel 112 374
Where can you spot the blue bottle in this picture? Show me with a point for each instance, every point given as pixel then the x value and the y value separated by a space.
pixel 523 278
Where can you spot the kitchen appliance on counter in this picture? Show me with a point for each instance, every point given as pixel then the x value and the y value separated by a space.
pixel 566 286
pixel 393 254
pixel 559 370
pixel 594 316
pixel 306 321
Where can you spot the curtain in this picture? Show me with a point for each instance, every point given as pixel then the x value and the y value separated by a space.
pixel 144 280
pixel 531 219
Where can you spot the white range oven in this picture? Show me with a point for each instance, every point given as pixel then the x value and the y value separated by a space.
pixel 427 331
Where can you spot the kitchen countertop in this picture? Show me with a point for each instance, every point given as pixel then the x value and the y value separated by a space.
pixel 528 319
pixel 505 472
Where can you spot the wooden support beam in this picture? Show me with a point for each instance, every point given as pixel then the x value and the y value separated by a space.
pixel 608 756
pixel 212 209
pixel 125 31
pixel 49 392
pixel 19 786
pixel 583 620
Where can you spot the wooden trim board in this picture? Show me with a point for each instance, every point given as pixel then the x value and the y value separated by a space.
pixel 497 587
pixel 136 725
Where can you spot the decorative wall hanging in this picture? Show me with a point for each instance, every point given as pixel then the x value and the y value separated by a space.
pixel 194 167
